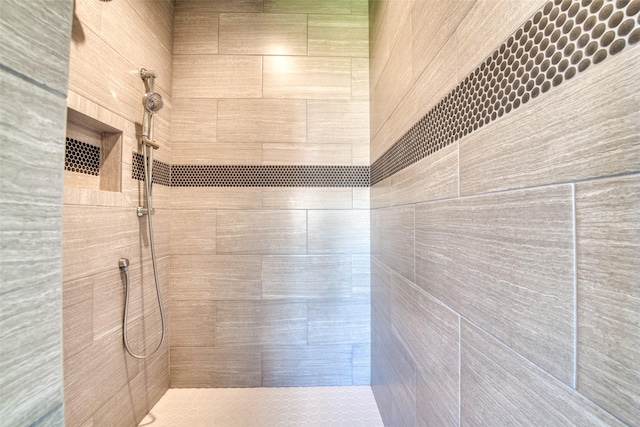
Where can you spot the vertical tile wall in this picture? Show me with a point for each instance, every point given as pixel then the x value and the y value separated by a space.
pixel 103 384
pixel 33 84
pixel 270 286
pixel 505 266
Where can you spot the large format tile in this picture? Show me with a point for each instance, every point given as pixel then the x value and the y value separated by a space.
pixel 31 311
pixel 263 34
pixel 608 250
pixel 315 366
pixel 307 198
pixel 261 323
pixel 500 387
pixel 305 6
pixel 193 231
pixel 339 35
pixel 338 232
pixel 429 331
pixel 193 120
pixel 307 154
pixel 362 364
pixel 262 232
pixel 200 198
pixel 195 28
pixel 306 277
pixel 434 177
pixel 393 238
pixel 262 120
pixel 215 277
pixel 193 323
pixel 487 25
pixel 590 130
pixel 207 367
pixel 217 76
pixel 25 50
pixel 233 153
pixel 344 122
pixel 505 261
pixel 301 77
pixel 343 321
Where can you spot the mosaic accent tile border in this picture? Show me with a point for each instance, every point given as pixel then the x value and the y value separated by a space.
pixel 561 40
pixel 269 176
pixel 161 170
pixel 81 157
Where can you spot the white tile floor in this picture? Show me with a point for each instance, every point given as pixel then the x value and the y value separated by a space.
pixel 266 407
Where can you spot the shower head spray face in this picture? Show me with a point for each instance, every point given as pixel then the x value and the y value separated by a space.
pixel 153 102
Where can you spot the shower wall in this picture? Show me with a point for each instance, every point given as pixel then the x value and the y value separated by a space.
pixel 269 285
pixel 504 224
pixel 33 83
pixel 103 384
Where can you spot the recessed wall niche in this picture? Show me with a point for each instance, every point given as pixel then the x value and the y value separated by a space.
pixel 93 154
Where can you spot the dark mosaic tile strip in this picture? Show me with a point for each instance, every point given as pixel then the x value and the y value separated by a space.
pixel 269 176
pixel 161 170
pixel 563 39
pixel 81 157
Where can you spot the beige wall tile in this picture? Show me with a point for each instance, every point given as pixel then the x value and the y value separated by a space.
pixel 262 120
pixel 85 246
pixel 344 321
pixel 307 154
pixel 394 82
pixel 195 28
pixel 300 77
pixel 77 316
pixel 306 277
pixel 193 323
pixel 486 26
pixel 304 6
pixel 237 366
pixel 235 153
pixel 338 232
pixel 500 387
pixel 317 365
pixel 338 122
pixel 433 25
pixel 263 34
pixel 505 262
pixel 307 198
pixel 608 248
pixel 361 198
pixel 360 7
pixel 339 35
pixel 131 38
pixel 361 276
pixel 215 277
pixel 216 198
pixel 219 6
pixel 193 232
pixel 94 375
pixel 434 177
pixel 262 232
pixel 429 87
pixel 567 134
pixel 360 154
pixel 381 194
pixel 379 48
pixel 360 78
pixel 429 331
pixel 193 120
pixel 381 141
pixel 23 49
pixel 393 238
pixel 217 76
pixel 261 322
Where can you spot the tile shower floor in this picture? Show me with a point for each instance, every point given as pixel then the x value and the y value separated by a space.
pixel 266 407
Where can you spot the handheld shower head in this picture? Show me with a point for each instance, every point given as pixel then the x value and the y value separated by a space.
pixel 152 102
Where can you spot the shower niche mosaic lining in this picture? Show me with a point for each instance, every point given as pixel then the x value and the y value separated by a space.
pixel 92 155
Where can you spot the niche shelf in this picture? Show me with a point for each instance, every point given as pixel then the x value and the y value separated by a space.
pixel 93 154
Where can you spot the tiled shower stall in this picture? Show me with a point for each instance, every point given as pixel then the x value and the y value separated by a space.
pixel 437 199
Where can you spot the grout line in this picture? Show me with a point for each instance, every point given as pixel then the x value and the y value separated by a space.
pixel 459 369
pixel 575 288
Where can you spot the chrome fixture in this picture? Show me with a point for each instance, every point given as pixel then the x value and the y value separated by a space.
pixel 153 103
